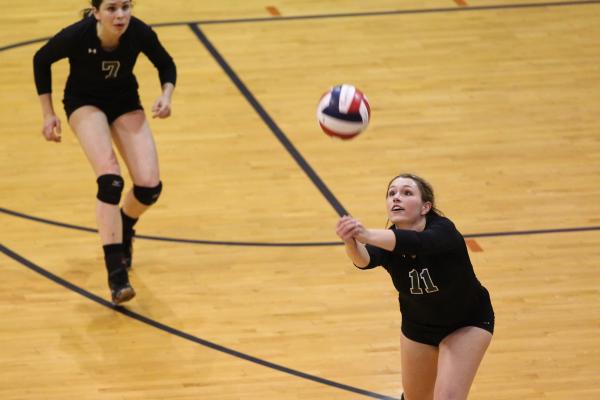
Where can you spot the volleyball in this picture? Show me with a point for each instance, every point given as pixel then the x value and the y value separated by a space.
pixel 343 112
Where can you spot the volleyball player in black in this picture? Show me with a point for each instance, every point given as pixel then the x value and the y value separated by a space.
pixel 102 104
pixel 447 315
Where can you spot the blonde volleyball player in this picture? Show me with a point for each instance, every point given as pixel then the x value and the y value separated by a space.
pixel 447 315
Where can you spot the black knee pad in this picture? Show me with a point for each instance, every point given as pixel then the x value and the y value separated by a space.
pixel 110 188
pixel 147 195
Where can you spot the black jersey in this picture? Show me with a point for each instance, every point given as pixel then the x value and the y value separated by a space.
pixel 432 272
pixel 94 72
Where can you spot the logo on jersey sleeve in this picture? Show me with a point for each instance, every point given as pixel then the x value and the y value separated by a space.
pixel 111 68
pixel 91 51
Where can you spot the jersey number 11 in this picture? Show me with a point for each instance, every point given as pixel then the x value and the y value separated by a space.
pixel 415 282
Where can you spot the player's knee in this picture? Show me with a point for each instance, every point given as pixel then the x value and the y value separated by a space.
pixel 147 195
pixel 110 187
pixel 449 394
pixel 418 393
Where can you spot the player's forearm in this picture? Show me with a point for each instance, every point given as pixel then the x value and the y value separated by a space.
pixel 382 238
pixel 46 103
pixel 167 89
pixel 357 253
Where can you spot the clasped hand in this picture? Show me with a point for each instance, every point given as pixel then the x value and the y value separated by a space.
pixel 349 228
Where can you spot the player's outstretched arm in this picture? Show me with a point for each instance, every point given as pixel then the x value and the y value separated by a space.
pixel 346 228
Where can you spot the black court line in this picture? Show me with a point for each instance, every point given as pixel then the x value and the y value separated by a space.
pixel 25 43
pixel 176 332
pixel 283 244
pixel 283 18
pixel 170 239
pixel 533 232
pixel 350 15
pixel 270 123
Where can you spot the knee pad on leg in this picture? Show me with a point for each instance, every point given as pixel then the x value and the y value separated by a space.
pixel 110 188
pixel 147 195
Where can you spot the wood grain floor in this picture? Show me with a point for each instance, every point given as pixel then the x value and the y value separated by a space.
pixel 243 290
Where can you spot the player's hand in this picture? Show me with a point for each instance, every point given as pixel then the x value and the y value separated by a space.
pixel 51 129
pixel 346 228
pixel 361 234
pixel 162 107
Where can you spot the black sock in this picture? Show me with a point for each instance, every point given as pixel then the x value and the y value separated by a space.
pixel 128 224
pixel 113 258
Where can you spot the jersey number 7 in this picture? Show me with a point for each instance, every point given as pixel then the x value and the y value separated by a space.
pixel 112 67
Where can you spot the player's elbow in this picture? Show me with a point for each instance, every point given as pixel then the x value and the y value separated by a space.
pixel 37 59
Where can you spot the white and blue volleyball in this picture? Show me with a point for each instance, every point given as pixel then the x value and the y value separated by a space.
pixel 343 112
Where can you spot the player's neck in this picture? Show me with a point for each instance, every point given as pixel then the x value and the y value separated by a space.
pixel 418 226
pixel 107 41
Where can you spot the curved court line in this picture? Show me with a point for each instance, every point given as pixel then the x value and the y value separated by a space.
pixel 283 244
pixel 348 15
pixel 176 332
pixel 170 239
pixel 533 232
pixel 25 43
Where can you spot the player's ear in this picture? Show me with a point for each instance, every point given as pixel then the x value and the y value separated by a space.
pixel 426 207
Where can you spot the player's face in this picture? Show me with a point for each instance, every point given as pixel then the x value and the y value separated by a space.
pixel 404 204
pixel 114 15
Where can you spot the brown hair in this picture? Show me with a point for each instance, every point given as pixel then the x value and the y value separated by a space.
pixel 86 12
pixel 425 188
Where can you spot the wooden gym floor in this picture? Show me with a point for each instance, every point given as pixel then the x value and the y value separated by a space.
pixel 243 289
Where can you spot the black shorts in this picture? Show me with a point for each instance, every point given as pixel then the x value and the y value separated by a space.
pixel 113 109
pixel 481 317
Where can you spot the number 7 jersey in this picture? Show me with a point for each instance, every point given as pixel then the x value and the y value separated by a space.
pixel 94 72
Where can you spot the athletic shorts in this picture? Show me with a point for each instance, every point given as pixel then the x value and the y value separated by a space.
pixel 482 317
pixel 113 109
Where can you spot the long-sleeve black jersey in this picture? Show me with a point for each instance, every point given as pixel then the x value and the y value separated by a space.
pixel 94 72
pixel 432 272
